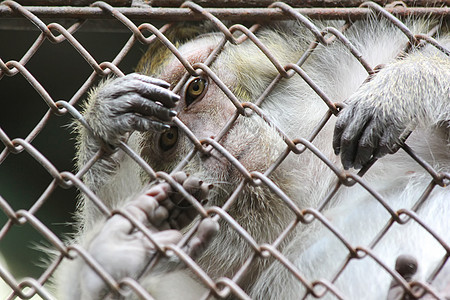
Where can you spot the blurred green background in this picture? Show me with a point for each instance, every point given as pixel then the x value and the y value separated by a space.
pixel 61 71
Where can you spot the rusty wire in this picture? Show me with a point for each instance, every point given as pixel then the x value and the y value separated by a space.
pixel 223 287
pixel 235 15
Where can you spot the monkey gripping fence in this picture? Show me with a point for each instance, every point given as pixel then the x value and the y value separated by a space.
pixel 223 287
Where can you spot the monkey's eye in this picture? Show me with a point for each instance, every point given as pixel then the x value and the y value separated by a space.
pixel 195 90
pixel 168 139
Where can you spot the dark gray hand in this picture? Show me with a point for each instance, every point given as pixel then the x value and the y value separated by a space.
pixel 133 102
pixel 372 125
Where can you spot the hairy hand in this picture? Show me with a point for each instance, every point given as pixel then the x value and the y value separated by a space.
pixel 133 102
pixel 372 125
pixel 124 251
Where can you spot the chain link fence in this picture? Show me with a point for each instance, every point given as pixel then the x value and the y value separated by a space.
pixel 125 20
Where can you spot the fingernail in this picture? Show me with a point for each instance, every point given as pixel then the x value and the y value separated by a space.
pixel 165 127
pixel 172 113
pixel 346 165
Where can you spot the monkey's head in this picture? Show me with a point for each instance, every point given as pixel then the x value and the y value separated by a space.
pixel 206 109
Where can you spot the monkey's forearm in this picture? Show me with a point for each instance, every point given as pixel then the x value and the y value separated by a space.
pixel 101 170
pixel 94 138
pixel 69 275
pixel 415 90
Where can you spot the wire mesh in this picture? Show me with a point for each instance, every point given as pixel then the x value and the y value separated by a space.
pixel 147 34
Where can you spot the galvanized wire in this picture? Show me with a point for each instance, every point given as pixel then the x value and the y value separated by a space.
pixel 222 287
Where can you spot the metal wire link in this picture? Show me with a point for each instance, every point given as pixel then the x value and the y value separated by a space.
pixel 223 287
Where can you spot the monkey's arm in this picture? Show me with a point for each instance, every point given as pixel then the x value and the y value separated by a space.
pixel 116 108
pixel 411 92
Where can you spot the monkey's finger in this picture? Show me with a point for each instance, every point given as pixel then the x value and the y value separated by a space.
pixel 180 218
pixel 366 146
pixel 181 210
pixel 388 142
pixel 149 79
pixel 161 238
pixel 188 184
pixel 160 215
pixel 344 118
pixel 142 208
pixel 176 196
pixel 176 218
pixel 168 204
pixel 180 176
pixel 156 93
pixel 126 85
pixel 338 129
pixel 162 192
pixel 167 237
pixel 350 132
pixel 192 185
pixel 195 187
pixel 406 266
pixel 198 188
pixel 132 121
pixel 135 103
pixel 206 231
pixel 117 224
pixel 172 219
pixel 148 210
pixel 159 191
pixel 349 143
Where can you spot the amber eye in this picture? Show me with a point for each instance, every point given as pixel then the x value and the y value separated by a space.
pixel 168 139
pixel 195 90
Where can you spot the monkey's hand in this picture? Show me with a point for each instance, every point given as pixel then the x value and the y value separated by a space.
pixel 124 251
pixel 133 102
pixel 364 131
pixel 410 92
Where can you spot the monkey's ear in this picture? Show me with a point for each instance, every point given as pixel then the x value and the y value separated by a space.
pixel 154 59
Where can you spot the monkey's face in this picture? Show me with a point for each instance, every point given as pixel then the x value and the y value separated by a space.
pixel 206 109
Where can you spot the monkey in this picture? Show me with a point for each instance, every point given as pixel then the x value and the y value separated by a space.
pixel 408 99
